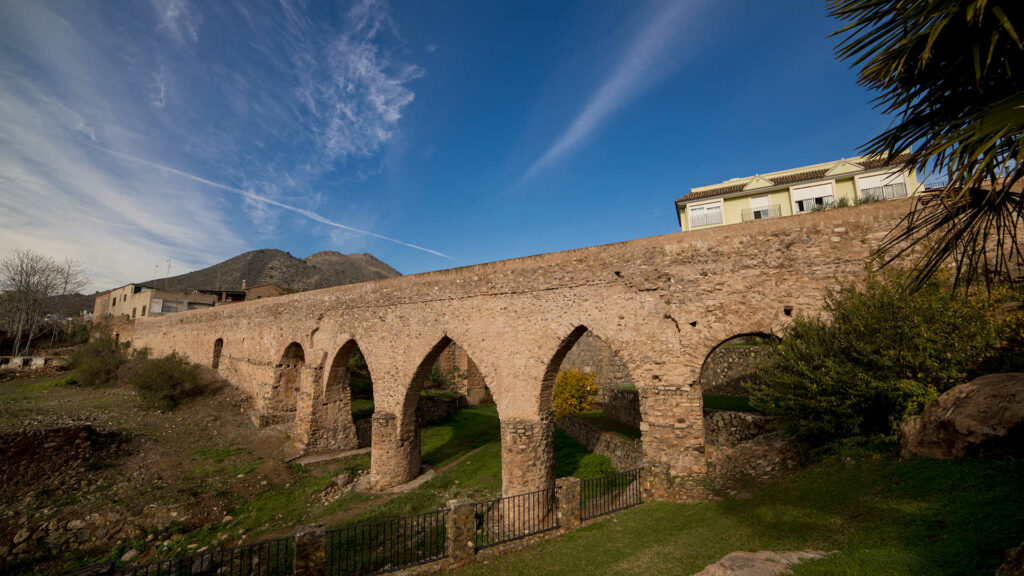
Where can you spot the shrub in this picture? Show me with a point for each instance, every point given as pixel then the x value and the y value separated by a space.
pixel 162 382
pixel 843 202
pixel 574 392
pixel 97 362
pixel 884 355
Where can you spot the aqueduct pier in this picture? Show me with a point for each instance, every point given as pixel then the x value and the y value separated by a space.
pixel 661 303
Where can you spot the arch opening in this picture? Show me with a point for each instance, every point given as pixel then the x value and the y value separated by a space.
pixel 437 425
pixel 344 408
pixel 218 347
pixel 730 367
pixel 584 358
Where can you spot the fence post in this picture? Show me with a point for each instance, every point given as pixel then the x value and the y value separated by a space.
pixel 310 551
pixel 655 482
pixel 567 496
pixel 461 531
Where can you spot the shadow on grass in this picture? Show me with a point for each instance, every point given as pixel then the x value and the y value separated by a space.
pixel 922 516
pixel 460 433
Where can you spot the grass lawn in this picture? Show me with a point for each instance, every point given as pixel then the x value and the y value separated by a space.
pixel 473 434
pixel 723 402
pixel 879 515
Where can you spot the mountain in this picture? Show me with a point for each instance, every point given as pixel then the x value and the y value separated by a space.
pixel 320 270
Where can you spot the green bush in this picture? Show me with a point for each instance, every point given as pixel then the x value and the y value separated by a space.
pixel 574 392
pixel 97 362
pixel 843 202
pixel 883 356
pixel 162 382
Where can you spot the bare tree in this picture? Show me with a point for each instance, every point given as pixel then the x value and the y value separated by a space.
pixel 30 282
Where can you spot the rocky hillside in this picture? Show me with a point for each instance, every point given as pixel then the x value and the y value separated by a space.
pixel 320 270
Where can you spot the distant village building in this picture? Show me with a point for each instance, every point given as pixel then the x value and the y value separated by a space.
pixel 225 296
pixel 263 291
pixel 140 301
pixel 794 191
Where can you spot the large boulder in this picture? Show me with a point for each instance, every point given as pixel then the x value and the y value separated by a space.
pixel 983 418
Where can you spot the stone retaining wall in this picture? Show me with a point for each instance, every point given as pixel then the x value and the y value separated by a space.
pixel 591 354
pixel 729 428
pixel 430 410
pixel 624 453
pixel 729 366
pixel 622 405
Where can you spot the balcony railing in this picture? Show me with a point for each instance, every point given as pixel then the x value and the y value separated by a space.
pixel 815 204
pixel 887 192
pixel 773 211
pixel 706 219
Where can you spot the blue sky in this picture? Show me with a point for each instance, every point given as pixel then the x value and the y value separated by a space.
pixel 431 134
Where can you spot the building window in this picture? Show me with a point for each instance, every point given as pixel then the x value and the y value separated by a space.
pixel 143 309
pixel 133 313
pixel 124 298
pixel 817 196
pixel 705 215
pixel 882 187
pixel 820 202
pixel 113 302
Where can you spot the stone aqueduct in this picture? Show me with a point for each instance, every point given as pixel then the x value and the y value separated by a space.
pixel 661 303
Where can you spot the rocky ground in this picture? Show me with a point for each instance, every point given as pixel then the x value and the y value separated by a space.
pixel 89 473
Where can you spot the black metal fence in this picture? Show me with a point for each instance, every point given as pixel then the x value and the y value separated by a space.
pixel 506 519
pixel 267 558
pixel 386 545
pixel 607 494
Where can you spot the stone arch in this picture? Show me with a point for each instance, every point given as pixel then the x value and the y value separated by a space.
pixel 332 426
pixel 617 398
pixel 731 361
pixel 284 391
pixel 396 455
pixel 218 347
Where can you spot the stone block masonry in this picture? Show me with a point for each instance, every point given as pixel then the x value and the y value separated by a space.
pixel 661 304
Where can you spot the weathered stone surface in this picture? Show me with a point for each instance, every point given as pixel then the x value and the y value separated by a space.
pixel 590 354
pixel 661 304
pixel 1014 565
pixel 728 367
pixel 567 496
pixel 527 456
pixel 982 418
pixel 310 551
pixel 763 457
pixel 461 531
pixel 625 454
pixel 621 405
pixel 759 563
pixel 730 427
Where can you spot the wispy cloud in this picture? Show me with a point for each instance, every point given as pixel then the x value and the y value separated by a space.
pixel 291 111
pixel 249 195
pixel 159 85
pixel 179 19
pixel 368 88
pixel 639 66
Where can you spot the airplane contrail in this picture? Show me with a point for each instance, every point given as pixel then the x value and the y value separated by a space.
pixel 258 198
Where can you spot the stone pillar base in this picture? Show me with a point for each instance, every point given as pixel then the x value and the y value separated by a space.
pixel 310 551
pixel 527 456
pixel 395 456
pixel 567 494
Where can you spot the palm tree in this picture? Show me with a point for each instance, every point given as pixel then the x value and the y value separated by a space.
pixel 951 73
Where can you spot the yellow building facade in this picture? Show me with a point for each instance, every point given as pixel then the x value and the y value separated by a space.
pixel 816 187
